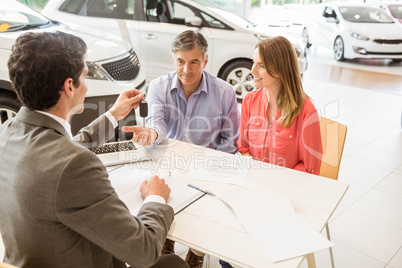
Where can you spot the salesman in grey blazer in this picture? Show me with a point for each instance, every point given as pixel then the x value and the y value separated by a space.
pixel 57 206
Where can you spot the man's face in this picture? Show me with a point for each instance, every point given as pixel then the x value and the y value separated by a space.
pixel 80 92
pixel 189 65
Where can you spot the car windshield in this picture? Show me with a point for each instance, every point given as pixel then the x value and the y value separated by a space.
pixel 208 3
pixel 15 16
pixel 239 21
pixel 396 11
pixel 365 14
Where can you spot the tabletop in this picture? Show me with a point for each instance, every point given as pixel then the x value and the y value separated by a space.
pixel 208 225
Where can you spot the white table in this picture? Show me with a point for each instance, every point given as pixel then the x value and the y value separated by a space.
pixel 209 226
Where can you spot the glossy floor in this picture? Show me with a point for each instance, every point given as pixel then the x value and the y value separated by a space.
pixel 366 96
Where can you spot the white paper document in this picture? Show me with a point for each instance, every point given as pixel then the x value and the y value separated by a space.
pixel 231 169
pixel 269 218
pixel 127 181
pixel 286 237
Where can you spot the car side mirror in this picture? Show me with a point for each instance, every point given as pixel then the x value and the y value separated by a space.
pixel 332 20
pixel 193 21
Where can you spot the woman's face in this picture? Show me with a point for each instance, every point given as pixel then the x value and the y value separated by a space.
pixel 261 76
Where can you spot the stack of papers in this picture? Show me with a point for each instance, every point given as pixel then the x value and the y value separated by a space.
pixel 127 182
pixel 269 218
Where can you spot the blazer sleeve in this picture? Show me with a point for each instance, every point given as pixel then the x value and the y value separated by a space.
pixel 87 203
pixel 96 133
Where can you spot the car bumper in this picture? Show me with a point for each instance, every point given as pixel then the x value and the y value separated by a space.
pixel 374 50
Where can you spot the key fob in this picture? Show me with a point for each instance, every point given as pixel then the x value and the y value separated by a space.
pixel 143 109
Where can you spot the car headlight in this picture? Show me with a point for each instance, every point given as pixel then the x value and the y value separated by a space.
pixel 95 72
pixel 359 36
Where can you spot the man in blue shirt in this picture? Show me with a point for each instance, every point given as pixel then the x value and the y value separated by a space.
pixel 190 105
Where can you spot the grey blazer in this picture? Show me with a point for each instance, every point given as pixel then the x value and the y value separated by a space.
pixel 57 206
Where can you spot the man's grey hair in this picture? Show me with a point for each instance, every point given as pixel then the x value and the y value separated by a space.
pixel 188 40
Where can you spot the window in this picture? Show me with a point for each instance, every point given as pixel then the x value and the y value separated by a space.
pixel 180 12
pixel 72 6
pixel 119 9
pixel 365 15
pixel 396 11
pixel 212 22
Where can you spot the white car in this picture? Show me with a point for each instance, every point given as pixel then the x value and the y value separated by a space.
pixel 113 64
pixel 356 30
pixel 151 26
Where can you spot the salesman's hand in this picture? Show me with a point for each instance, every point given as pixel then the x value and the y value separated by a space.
pixel 125 102
pixel 155 186
pixel 142 135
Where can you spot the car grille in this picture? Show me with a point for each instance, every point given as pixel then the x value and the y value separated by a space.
pixel 384 53
pixel 388 41
pixel 125 69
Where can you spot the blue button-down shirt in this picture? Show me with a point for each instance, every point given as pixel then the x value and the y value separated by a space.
pixel 210 117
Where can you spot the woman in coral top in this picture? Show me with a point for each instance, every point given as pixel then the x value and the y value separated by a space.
pixel 279 123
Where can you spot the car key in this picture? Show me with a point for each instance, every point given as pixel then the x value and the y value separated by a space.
pixel 143 111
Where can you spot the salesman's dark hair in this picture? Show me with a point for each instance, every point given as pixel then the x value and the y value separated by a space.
pixel 40 63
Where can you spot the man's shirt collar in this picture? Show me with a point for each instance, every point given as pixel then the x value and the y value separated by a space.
pixel 202 87
pixel 66 125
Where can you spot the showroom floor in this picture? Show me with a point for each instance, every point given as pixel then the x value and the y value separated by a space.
pixel 366 96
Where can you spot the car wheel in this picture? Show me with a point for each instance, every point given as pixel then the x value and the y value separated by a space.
pixel 238 74
pixel 339 49
pixel 9 106
pixel 305 38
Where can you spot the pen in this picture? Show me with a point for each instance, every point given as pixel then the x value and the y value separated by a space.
pixel 199 189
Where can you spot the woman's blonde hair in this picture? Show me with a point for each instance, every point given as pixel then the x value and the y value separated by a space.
pixel 279 58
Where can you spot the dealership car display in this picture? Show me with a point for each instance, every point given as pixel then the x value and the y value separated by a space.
pixel 356 30
pixel 112 63
pixel 151 26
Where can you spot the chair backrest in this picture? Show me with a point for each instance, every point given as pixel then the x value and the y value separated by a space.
pixel 333 135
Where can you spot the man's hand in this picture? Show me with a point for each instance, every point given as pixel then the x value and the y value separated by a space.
pixel 155 186
pixel 125 102
pixel 142 135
